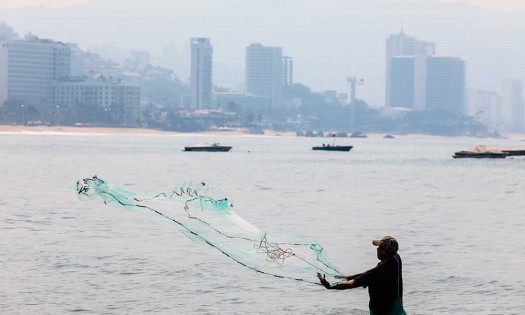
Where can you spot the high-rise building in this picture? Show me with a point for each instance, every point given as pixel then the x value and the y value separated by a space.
pixel 201 73
pixel 287 70
pixel 417 79
pixel 264 73
pixel 402 82
pixel 445 84
pixel 512 106
pixel 29 67
pixel 402 45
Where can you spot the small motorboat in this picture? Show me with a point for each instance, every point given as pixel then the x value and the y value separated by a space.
pixel 333 147
pixel 206 147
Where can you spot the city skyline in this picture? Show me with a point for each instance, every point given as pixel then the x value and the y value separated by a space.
pixel 325 47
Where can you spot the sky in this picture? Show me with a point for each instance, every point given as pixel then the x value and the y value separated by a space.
pixel 329 40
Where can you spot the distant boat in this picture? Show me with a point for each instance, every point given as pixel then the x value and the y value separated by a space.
pixel 206 147
pixel 513 152
pixel 481 152
pixel 333 148
pixel 477 155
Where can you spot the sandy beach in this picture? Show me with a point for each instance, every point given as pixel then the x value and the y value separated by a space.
pixel 68 130
pixel 17 129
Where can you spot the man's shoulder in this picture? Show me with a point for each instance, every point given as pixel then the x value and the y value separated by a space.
pixel 397 258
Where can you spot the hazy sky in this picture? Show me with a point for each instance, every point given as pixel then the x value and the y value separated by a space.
pixel 329 40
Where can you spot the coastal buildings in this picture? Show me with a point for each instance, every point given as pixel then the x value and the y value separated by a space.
pixel 29 68
pixel 36 73
pixel 201 73
pixel 512 106
pixel 402 45
pixel 264 73
pixel 484 106
pixel 119 103
pixel 445 84
pixel 418 79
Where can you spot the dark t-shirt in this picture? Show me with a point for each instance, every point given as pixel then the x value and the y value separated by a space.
pixel 385 284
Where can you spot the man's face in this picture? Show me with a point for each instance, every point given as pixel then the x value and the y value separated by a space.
pixel 381 253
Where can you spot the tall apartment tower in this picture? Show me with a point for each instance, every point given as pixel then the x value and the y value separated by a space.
pixel 201 73
pixel 287 70
pixel 443 78
pixel 264 73
pixel 512 106
pixel 445 82
pixel 402 45
pixel 30 67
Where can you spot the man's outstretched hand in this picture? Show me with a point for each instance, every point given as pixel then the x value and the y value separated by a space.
pixel 323 280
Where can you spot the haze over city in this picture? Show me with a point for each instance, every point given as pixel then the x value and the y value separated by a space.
pixel 329 41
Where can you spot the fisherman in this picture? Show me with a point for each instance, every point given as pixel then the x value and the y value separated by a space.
pixel 384 282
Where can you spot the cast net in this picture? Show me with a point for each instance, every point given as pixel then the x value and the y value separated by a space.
pixel 211 221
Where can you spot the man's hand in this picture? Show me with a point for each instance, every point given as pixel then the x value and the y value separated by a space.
pixel 323 280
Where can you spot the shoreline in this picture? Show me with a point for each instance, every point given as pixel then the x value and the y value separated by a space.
pixel 115 131
pixel 119 131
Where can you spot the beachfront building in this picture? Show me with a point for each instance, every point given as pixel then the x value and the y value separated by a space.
pixel 117 103
pixel 445 84
pixel 402 82
pixel 402 45
pixel 484 106
pixel 512 106
pixel 264 73
pixel 201 73
pixel 444 79
pixel 29 68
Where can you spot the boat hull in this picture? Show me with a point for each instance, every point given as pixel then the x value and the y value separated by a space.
pixel 208 149
pixel 489 155
pixel 345 148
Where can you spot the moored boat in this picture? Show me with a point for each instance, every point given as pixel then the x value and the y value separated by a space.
pixel 214 147
pixel 481 152
pixel 333 147
pixel 477 155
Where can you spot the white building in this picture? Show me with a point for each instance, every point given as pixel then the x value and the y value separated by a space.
pixel 485 106
pixel 264 73
pixel 121 101
pixel 512 106
pixel 201 73
pixel 402 45
pixel 443 88
pixel 29 68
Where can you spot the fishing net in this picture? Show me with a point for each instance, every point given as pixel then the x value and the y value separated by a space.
pixel 212 221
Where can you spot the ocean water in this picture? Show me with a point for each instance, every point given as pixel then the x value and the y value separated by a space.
pixel 460 224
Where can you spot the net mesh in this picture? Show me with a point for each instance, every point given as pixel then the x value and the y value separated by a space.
pixel 212 221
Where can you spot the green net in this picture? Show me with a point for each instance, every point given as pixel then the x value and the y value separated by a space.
pixel 212 221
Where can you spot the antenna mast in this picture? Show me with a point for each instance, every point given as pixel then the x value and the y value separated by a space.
pixel 353 82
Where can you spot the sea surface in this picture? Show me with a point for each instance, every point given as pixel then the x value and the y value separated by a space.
pixel 460 224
